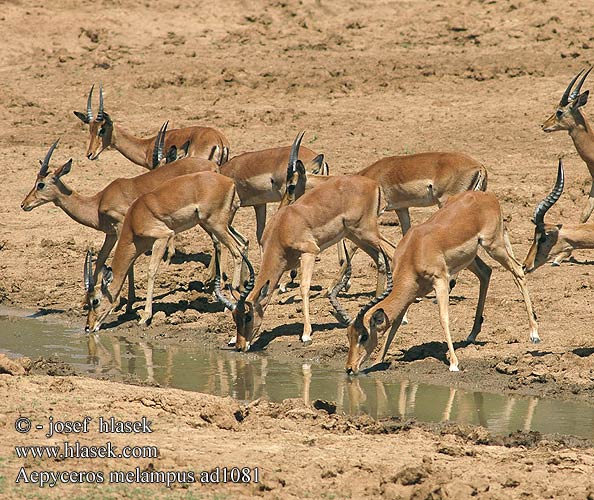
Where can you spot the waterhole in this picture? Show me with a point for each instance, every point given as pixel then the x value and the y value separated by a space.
pixel 250 376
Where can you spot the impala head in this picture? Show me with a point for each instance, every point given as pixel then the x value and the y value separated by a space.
pixel 247 314
pixel 566 116
pixel 48 187
pixel 100 301
pixel 297 174
pixel 100 127
pixel 363 332
pixel 544 246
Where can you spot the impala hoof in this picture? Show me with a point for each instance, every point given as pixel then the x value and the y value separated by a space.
pixel 232 342
pixel 454 368
pixel 535 340
pixel 144 319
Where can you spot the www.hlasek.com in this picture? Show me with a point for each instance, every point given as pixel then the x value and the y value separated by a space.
pixel 69 450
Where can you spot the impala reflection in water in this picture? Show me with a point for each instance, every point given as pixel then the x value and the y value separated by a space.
pixel 250 376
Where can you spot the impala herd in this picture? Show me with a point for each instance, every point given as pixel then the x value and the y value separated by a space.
pixel 193 181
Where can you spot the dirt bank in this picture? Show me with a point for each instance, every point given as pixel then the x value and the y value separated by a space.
pixel 339 457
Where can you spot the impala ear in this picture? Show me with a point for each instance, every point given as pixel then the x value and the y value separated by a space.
pixel 264 291
pixel 171 154
pixel 64 169
pixel 378 320
pixel 318 161
pixel 580 100
pixel 107 276
pixel 81 116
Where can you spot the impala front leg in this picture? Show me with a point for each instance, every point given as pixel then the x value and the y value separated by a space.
pixel 441 287
pixel 307 265
pixel 589 207
pixel 159 247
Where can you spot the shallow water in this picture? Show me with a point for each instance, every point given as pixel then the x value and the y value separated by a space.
pixel 249 376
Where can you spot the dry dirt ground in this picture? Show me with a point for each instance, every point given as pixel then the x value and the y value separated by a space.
pixel 366 80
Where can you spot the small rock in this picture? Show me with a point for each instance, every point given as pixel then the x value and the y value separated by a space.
pixel 158 318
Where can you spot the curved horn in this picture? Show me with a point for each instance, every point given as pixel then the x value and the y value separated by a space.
pixel 343 316
pixel 100 113
pixel 45 163
pixel 217 285
pixel 159 143
pixel 90 105
pixel 295 152
pixel 387 291
pixel 578 87
pixel 250 284
pixel 565 98
pixel 88 273
pixel 552 197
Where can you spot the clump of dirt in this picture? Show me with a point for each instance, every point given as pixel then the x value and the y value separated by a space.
pixel 52 366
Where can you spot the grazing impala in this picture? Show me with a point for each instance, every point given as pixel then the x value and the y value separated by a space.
pixel 105 210
pixel 259 177
pixel 425 259
pixel 201 142
pixel 568 116
pixel 343 207
pixel 555 242
pixel 207 199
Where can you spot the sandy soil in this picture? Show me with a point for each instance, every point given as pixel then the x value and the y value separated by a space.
pixel 366 80
pixel 300 452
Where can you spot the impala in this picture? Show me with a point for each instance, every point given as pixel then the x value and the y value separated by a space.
pixel 555 242
pixel 259 177
pixel 106 209
pixel 343 207
pixel 425 259
pixel 207 199
pixel 201 142
pixel 418 180
pixel 568 116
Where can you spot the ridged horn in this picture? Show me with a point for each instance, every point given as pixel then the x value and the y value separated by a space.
pixel 90 105
pixel 45 163
pixel 159 144
pixel 387 291
pixel 578 88
pixel 343 316
pixel 100 113
pixel 217 285
pixel 294 153
pixel 552 197
pixel 250 284
pixel 88 272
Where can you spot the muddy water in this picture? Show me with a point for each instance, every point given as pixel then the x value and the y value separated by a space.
pixel 247 377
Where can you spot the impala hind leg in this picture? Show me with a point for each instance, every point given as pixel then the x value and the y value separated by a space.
pixel 441 287
pixel 159 247
pixel 502 252
pixel 307 265
pixel 260 211
pixel 483 272
pixel 131 292
pixel 404 218
pixel 349 248
pixel 589 207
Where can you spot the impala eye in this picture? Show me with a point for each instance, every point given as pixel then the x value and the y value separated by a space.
pixel 101 132
pixel 559 113
pixel 364 337
pixel 40 185
pixel 95 302
pixel 248 318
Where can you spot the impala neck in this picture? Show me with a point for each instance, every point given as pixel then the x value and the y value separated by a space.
pixel 123 257
pixel 583 139
pixel 271 271
pixel 131 147
pixel 82 209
